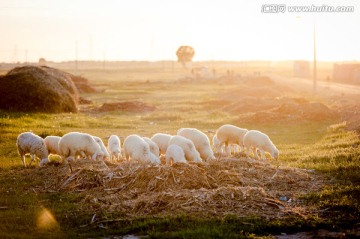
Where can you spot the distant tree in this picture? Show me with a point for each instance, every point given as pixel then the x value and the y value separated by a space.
pixel 42 62
pixel 185 54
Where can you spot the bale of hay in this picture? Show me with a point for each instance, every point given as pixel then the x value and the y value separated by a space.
pixel 38 89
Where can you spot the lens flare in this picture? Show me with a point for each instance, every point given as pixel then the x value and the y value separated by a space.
pixel 46 220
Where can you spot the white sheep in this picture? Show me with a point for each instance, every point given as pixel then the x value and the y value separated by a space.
pixel 162 141
pixel 200 140
pixel 260 141
pixel 154 148
pixel 114 147
pixel 175 154
pixel 52 144
pixel 30 143
pixel 230 134
pixel 216 144
pixel 218 149
pixel 188 146
pixel 136 148
pixel 74 143
pixel 102 146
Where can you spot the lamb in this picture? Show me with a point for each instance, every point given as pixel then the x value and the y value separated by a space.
pixel 175 154
pixel 230 134
pixel 102 146
pixel 260 141
pixel 200 140
pixel 216 144
pixel 154 148
pixel 162 141
pixel 75 143
pixel 114 147
pixel 52 144
pixel 191 154
pixel 30 143
pixel 136 148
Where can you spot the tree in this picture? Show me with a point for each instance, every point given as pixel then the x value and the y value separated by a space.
pixel 185 54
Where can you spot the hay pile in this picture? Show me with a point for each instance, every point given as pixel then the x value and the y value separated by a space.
pixel 242 186
pixel 127 106
pixel 38 89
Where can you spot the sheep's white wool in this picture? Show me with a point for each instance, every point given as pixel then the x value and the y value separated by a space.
pixel 175 154
pixel 154 148
pixel 114 147
pixel 136 148
pixel 200 140
pixel 30 143
pixel 74 143
pixel 257 140
pixel 188 146
pixel 162 141
pixel 230 134
pixel 52 144
pixel 102 146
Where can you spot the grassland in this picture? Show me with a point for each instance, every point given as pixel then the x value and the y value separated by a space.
pixel 323 146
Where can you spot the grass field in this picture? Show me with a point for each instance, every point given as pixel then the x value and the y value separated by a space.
pixel 324 147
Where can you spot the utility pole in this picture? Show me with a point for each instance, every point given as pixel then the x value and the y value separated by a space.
pixel 314 66
pixel 76 55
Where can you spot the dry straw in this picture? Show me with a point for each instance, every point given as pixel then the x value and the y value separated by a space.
pixel 239 186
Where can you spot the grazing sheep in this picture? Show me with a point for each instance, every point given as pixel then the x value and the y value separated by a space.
pixel 216 144
pixel 114 147
pixel 162 141
pixel 52 144
pixel 30 143
pixel 154 148
pixel 175 154
pixel 102 146
pixel 200 140
pixel 230 134
pixel 260 141
pixel 74 143
pixel 188 146
pixel 136 148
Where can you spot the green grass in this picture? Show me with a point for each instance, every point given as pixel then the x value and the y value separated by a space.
pixel 331 151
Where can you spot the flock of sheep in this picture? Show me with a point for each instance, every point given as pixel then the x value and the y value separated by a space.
pixel 189 144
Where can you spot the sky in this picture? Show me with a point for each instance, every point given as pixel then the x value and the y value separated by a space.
pixel 232 30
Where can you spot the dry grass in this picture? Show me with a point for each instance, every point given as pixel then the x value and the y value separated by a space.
pixel 226 186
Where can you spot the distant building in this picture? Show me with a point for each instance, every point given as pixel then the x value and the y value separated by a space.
pixel 301 69
pixel 42 62
pixel 349 73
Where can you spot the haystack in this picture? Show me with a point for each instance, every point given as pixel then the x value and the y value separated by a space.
pixel 38 89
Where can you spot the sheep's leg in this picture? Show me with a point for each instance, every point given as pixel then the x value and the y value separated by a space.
pixel 228 149
pixel 23 160
pixel 263 157
pixel 257 153
pixel 32 159
pixel 247 150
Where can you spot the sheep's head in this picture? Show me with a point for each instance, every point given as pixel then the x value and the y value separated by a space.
pixel 44 161
pixel 99 155
pixel 275 153
pixel 154 159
